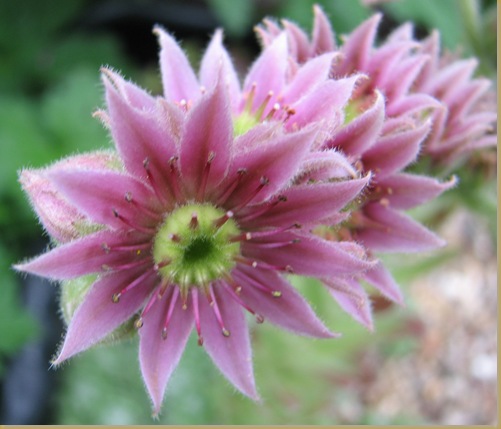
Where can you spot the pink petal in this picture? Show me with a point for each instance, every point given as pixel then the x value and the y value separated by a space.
pixel 269 167
pixel 178 79
pixel 390 231
pixel 358 46
pixel 216 63
pixel 311 74
pixel 397 149
pixel 143 136
pixel 352 298
pixel 404 191
pixel 382 280
pixel 268 72
pixel 232 354
pixel 56 215
pixel 307 204
pixel 413 103
pixel 135 96
pixel 361 133
pixel 159 357
pixel 299 45
pixel 326 102
pixel 98 315
pixel 207 139
pixel 289 311
pixel 311 256
pixel 325 165
pixel 101 195
pixel 83 256
pixel 323 39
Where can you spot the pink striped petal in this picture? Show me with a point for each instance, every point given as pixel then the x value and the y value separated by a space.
pixel 352 298
pixel 268 72
pixel 216 63
pixel 101 195
pixel 326 102
pixel 310 256
pixel 83 256
pixel 325 165
pixel 159 356
pixel 310 75
pixel 289 311
pixel 299 45
pixel 143 136
pixel 307 204
pixel 391 231
pixel 57 216
pixel 413 103
pixel 404 191
pixel 135 96
pixel 396 150
pixel 206 143
pixel 232 354
pixel 361 133
pixel 178 79
pixel 323 38
pixel 383 281
pixel 358 46
pixel 268 167
pixel 98 315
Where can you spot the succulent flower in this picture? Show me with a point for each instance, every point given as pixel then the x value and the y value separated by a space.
pixel 386 124
pixel 210 201
pixel 414 76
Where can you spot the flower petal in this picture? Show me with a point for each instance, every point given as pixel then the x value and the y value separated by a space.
pixel 323 38
pixel 268 167
pixel 306 204
pixel 206 142
pixel 159 356
pixel 361 133
pixel 326 102
pixel 231 354
pixel 311 256
pixel 102 194
pixel 146 136
pixel 383 281
pixel 178 78
pixel 268 72
pixel 357 47
pixel 396 149
pixel 405 191
pixel 216 64
pixel 84 256
pixel 289 311
pixel 98 315
pixel 352 298
pixel 310 75
pixel 390 231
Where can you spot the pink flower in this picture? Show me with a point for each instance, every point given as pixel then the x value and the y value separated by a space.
pixel 386 124
pixel 209 201
pixel 412 75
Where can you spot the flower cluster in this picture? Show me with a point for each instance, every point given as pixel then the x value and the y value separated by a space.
pixel 215 192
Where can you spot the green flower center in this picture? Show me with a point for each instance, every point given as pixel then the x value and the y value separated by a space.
pixel 194 245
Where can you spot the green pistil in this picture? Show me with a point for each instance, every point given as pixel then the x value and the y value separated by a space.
pixel 193 246
pixel 244 122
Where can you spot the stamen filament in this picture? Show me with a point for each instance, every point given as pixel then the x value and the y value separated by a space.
pixel 196 314
pixel 170 310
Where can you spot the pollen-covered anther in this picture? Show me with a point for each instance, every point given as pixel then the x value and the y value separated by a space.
pixel 138 324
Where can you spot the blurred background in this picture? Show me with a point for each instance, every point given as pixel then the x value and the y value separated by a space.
pixel 432 362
